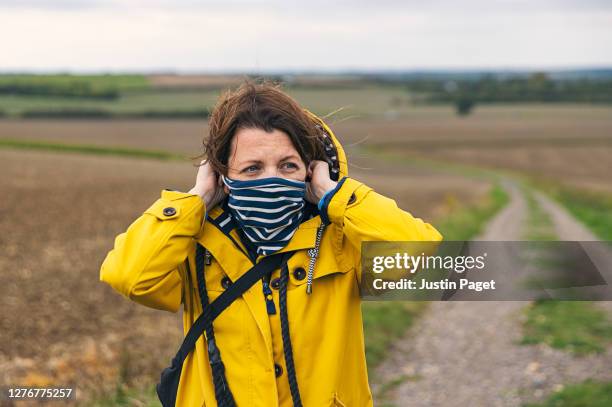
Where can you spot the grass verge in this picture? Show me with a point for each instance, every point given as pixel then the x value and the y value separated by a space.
pixel 87 149
pixel 539 224
pixel 385 321
pixel 588 393
pixel 468 222
pixel 577 326
pixel 593 209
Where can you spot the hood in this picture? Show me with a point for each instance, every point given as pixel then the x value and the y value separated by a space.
pixel 335 152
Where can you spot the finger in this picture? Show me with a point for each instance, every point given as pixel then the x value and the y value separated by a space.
pixel 315 167
pixel 321 164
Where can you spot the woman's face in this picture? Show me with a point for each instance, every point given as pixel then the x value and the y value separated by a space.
pixel 255 153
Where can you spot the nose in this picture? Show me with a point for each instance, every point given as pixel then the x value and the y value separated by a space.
pixel 270 172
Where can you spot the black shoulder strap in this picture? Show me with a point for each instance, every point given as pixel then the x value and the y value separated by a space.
pixel 235 290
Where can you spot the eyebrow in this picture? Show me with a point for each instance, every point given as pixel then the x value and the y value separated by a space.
pixel 259 161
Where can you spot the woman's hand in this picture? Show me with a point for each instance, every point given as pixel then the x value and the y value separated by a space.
pixel 320 183
pixel 208 186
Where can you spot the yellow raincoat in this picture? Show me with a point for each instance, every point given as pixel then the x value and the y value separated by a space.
pixel 147 266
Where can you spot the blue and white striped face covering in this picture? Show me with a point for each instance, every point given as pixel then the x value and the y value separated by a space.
pixel 268 210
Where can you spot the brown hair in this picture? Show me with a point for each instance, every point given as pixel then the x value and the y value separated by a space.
pixel 259 105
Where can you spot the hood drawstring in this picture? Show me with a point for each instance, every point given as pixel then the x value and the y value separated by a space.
pixel 287 347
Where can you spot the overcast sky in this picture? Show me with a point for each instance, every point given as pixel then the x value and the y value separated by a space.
pixel 193 36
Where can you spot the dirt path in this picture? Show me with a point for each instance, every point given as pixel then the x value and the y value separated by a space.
pixel 466 353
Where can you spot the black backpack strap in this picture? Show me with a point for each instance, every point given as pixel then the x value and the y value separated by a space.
pixel 168 386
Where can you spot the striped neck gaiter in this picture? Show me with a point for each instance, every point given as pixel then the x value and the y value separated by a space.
pixel 268 210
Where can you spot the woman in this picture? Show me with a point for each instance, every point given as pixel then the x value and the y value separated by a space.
pixel 275 181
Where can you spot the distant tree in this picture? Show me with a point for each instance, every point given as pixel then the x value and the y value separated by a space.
pixel 464 105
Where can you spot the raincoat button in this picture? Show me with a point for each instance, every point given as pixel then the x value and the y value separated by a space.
pixel 278 370
pixel 169 211
pixel 226 282
pixel 299 273
pixel 275 283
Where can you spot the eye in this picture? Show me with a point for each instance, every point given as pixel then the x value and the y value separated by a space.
pixel 289 165
pixel 250 168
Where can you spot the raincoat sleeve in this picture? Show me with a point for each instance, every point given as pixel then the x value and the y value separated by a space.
pixel 361 214
pixel 146 263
